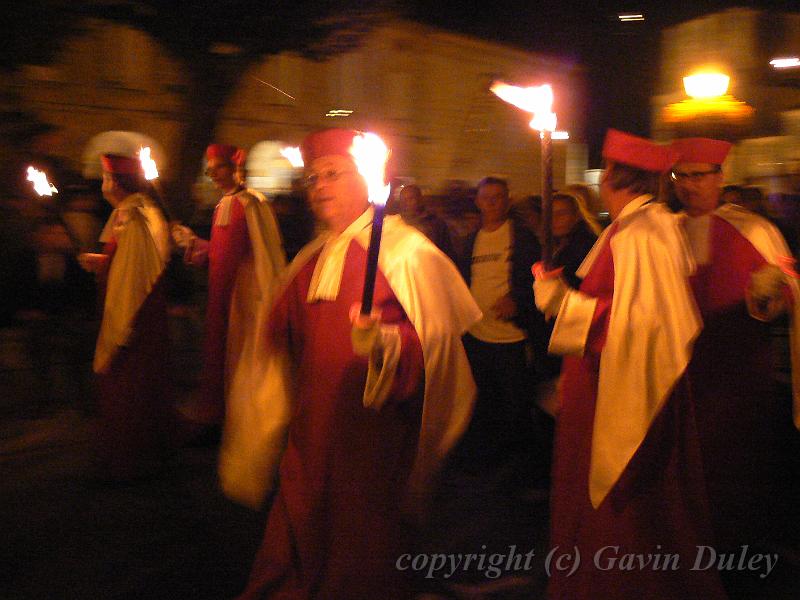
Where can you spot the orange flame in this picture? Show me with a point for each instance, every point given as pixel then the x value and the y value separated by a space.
pixel 292 154
pixel 148 164
pixel 371 154
pixel 40 183
pixel 537 100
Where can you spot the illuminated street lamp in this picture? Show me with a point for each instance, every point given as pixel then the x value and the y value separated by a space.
pixel 706 85
pixel 709 111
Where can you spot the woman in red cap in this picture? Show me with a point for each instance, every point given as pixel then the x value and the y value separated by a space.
pixel 135 414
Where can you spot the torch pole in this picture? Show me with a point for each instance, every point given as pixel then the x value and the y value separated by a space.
pixel 372 259
pixel 547 197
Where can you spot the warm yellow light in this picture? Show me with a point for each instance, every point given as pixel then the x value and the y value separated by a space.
pixel 537 100
pixel 339 112
pixel 722 107
pixel 40 183
pixel 706 85
pixel 148 164
pixel 371 154
pixel 785 63
pixel 292 154
pixel 560 135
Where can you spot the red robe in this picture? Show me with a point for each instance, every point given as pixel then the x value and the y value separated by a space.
pixel 136 422
pixel 737 408
pixel 227 250
pixel 658 506
pixel 334 527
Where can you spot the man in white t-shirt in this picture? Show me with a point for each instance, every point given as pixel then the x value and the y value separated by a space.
pixel 497 268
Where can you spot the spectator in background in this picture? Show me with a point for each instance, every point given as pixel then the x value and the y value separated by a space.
pixel 575 230
pixel 497 267
pixel 415 213
pixel 528 211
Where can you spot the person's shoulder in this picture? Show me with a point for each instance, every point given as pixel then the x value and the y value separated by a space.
pixel 405 243
pixel 247 196
pixel 734 212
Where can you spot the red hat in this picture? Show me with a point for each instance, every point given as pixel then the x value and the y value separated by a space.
pixel 239 157
pixel 326 142
pixel 224 151
pixel 637 152
pixel 121 165
pixel 701 150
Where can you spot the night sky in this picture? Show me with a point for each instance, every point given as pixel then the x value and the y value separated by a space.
pixel 621 58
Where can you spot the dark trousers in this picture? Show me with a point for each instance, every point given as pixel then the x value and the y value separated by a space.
pixel 506 422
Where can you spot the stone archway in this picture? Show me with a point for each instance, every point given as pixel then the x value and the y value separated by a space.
pixel 126 143
pixel 267 170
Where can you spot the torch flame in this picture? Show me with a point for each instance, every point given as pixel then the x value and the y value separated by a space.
pixel 537 100
pixel 292 154
pixel 371 155
pixel 40 183
pixel 148 164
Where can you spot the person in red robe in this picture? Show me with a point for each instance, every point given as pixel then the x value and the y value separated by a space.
pixel 244 257
pixel 355 414
pixel 740 287
pixel 135 428
pixel 629 507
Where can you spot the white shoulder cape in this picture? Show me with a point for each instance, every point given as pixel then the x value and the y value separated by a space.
pixel 140 257
pixel 438 304
pixel 652 327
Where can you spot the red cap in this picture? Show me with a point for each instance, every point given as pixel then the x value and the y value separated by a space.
pixel 224 151
pixel 239 157
pixel 701 150
pixel 637 152
pixel 121 165
pixel 326 142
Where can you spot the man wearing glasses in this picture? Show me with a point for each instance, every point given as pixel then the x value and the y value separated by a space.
pixel 354 413
pixel 244 257
pixel 626 476
pixel 740 286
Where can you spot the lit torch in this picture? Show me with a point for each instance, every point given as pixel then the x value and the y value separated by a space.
pixel 148 164
pixel 537 100
pixel 370 155
pixel 40 183
pixel 292 154
pixel 44 188
pixel 150 171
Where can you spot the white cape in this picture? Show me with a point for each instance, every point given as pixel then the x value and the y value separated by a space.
pixel 140 257
pixel 653 324
pixel 440 307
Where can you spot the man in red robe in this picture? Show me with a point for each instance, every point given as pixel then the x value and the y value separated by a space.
pixel 629 509
pixel 740 287
pixel 355 413
pixel 135 413
pixel 244 257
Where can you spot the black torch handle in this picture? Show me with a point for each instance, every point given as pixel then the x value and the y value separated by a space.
pixel 547 198
pixel 372 260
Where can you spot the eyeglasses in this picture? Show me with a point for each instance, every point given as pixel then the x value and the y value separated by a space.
pixel 691 176
pixel 330 175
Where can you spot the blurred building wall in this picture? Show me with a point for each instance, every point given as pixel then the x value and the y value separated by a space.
pixel 741 43
pixel 425 90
